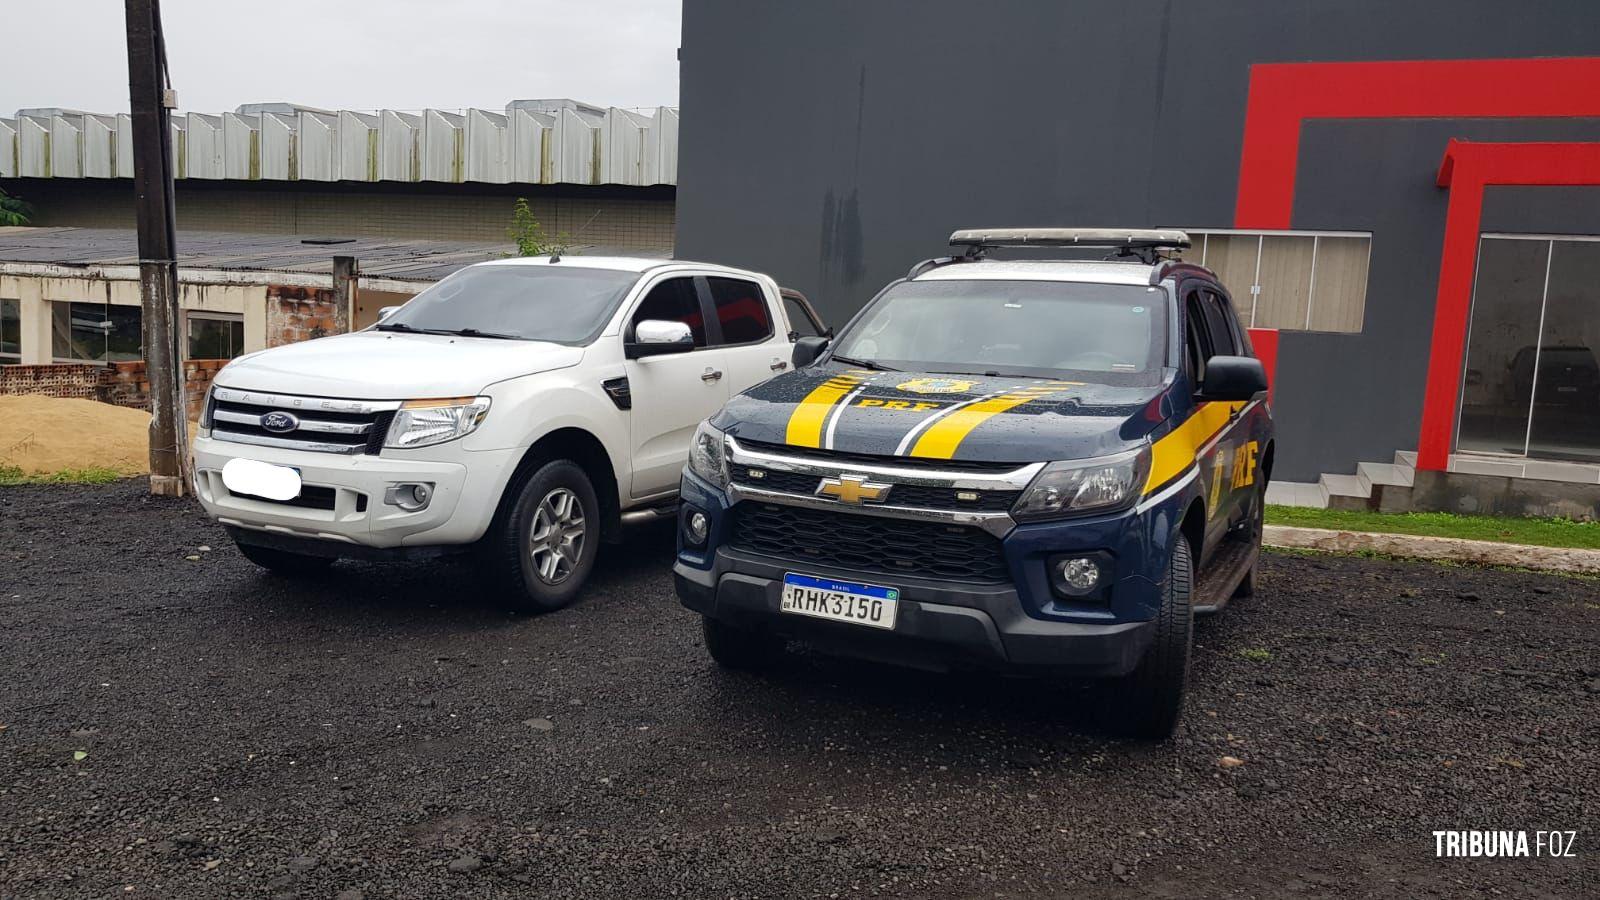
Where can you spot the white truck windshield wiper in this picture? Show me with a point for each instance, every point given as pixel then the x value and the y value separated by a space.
pixel 453 332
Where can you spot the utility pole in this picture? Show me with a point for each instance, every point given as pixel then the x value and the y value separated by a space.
pixel 151 100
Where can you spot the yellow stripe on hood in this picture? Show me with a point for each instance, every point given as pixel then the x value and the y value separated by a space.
pixel 943 437
pixel 810 414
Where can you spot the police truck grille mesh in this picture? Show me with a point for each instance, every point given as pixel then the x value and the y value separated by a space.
pixel 838 457
pixel 867 543
pixel 917 495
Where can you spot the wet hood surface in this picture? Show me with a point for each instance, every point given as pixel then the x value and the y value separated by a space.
pixel 934 416
pixel 376 365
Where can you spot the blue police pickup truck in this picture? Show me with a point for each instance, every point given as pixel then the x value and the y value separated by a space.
pixel 1036 466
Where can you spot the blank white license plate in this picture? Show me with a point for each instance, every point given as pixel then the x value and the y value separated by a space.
pixel 259 479
pixel 841 601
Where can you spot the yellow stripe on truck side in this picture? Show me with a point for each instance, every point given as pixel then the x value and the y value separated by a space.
pixel 805 423
pixel 944 436
pixel 1175 451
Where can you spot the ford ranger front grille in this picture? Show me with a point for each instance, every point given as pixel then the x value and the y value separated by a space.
pixel 317 424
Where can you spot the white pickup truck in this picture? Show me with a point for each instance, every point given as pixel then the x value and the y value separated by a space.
pixel 522 408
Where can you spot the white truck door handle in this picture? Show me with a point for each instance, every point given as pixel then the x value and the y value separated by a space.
pixel 711 375
pixel 778 365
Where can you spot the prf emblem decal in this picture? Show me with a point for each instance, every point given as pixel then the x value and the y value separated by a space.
pixel 1244 465
pixel 936 386
pixel 853 489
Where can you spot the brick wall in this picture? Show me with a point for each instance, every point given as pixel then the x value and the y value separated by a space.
pixel 81 381
pixel 120 383
pixel 302 313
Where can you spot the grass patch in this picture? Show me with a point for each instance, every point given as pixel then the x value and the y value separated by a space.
pixel 1257 654
pixel 1539 532
pixel 10 475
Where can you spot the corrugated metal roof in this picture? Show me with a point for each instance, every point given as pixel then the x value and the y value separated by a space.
pixel 418 260
pixel 530 142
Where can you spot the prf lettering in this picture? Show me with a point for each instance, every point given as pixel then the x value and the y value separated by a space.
pixel 1244 465
pixel 914 406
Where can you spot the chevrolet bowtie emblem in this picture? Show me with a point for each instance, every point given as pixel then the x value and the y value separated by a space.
pixel 853 489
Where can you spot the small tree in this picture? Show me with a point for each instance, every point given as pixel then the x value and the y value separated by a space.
pixel 530 236
pixel 14 210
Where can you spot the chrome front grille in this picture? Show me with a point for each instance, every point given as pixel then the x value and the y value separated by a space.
pixel 317 424
pixel 920 490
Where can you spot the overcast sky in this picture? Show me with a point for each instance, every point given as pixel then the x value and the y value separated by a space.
pixel 349 54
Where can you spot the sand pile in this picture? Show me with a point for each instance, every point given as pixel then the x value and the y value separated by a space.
pixel 40 435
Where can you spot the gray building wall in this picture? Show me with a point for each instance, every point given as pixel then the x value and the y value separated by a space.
pixel 834 143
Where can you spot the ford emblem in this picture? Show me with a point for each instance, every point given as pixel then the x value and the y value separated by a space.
pixel 280 422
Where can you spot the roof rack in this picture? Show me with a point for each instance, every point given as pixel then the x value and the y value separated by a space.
pixel 1143 243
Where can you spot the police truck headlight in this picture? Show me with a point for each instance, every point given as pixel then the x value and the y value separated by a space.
pixel 708 455
pixel 423 423
pixel 1085 485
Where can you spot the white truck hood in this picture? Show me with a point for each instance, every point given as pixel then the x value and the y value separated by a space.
pixel 387 365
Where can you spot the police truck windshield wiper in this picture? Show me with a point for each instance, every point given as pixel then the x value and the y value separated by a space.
pixel 865 364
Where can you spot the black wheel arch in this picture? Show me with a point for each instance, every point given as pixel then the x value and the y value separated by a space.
pixel 589 454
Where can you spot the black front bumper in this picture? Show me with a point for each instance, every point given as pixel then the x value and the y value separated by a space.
pixel 940 625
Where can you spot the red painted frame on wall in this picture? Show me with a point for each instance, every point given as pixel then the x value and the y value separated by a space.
pixel 1284 95
pixel 1467 169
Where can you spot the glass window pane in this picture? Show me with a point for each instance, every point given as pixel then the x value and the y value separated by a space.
pixel 1285 282
pixel 1233 258
pixel 214 338
pixel 1498 384
pixel 1339 292
pixel 674 300
pixel 95 332
pixel 1566 388
pixel 124 340
pixel 741 310
pixel 799 318
pixel 10 329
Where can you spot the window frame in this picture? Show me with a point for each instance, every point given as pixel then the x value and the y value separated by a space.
pixel 215 316
pixel 713 328
pixel 707 297
pixel 801 302
pixel 106 360
pixel 1316 235
pixel 12 359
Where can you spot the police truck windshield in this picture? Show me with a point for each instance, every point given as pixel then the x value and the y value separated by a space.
pixel 1026 328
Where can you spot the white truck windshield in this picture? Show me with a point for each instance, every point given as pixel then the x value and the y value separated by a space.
pixel 560 304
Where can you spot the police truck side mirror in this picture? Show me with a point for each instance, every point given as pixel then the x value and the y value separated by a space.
pixel 1233 378
pixel 807 349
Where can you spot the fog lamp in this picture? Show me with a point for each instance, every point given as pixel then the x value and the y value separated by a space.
pixel 696 528
pixel 409 497
pixel 1079 576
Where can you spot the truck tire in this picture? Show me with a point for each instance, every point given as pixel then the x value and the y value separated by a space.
pixel 283 562
pixel 739 649
pixel 543 548
pixel 1257 526
pixel 1149 700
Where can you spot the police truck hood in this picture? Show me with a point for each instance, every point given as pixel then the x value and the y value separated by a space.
pixel 388 365
pixel 930 415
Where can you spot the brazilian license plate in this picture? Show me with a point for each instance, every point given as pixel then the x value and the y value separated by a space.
pixel 841 601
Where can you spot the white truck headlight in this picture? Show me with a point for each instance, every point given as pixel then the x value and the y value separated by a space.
pixel 708 455
pixel 1085 485
pixel 423 423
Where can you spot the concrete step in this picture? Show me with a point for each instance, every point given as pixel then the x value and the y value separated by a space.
pixel 1295 493
pixel 1387 474
pixel 1405 458
pixel 1347 486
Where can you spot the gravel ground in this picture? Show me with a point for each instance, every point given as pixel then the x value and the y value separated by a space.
pixel 177 726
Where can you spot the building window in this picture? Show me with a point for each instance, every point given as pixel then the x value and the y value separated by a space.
pixel 1531 385
pixel 10 332
pixel 95 332
pixel 214 336
pixel 1290 280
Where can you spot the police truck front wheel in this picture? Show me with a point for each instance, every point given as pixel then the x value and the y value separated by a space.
pixel 1149 701
pixel 739 648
